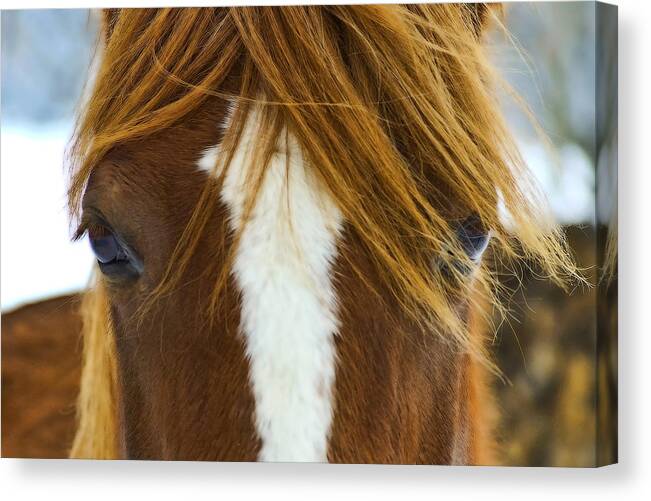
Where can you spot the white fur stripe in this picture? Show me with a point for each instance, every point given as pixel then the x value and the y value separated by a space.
pixel 283 269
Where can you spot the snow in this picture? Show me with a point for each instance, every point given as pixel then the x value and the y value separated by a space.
pixel 37 257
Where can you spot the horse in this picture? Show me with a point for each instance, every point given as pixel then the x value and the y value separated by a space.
pixel 41 366
pixel 291 209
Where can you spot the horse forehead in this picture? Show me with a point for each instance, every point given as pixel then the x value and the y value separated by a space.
pixel 121 174
pixel 169 152
pixel 135 190
pixel 153 164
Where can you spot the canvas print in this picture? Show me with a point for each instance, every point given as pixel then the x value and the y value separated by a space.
pixel 345 234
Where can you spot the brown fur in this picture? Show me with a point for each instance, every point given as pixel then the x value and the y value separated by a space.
pixel 161 360
pixel 41 367
pixel 394 108
pixel 399 392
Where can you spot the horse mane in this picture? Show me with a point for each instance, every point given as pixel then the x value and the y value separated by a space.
pixel 96 436
pixel 395 109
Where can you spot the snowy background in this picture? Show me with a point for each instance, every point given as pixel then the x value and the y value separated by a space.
pixel 45 59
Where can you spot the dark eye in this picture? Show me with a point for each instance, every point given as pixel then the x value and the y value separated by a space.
pixel 115 259
pixel 473 237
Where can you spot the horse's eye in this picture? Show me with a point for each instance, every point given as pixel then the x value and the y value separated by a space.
pixel 105 247
pixel 473 237
pixel 114 258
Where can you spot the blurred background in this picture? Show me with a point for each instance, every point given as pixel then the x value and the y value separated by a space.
pixel 45 60
pixel 558 362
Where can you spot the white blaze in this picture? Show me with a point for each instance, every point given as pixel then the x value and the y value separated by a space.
pixel 283 268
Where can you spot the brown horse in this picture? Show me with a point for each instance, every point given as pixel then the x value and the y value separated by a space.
pixel 41 365
pixel 289 208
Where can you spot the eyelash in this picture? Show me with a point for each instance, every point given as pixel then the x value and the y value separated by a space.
pixel 115 258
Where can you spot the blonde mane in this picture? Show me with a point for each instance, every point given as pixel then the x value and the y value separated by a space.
pixel 395 109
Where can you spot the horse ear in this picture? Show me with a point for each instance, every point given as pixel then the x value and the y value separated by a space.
pixel 479 14
pixel 109 18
